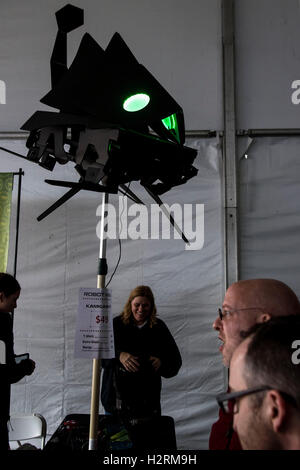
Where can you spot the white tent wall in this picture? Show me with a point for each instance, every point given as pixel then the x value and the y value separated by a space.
pixel 267 37
pixel 60 254
pixel 269 210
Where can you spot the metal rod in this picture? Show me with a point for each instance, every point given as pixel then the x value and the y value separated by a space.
pixel 201 133
pixel 167 214
pixel 230 167
pixel 13 135
pixel 102 271
pixel 198 133
pixel 13 153
pixel 268 132
pixel 189 133
pixel 58 203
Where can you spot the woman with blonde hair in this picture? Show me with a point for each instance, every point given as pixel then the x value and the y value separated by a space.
pixel 140 291
pixel 145 352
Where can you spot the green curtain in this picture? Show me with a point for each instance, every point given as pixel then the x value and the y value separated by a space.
pixel 6 187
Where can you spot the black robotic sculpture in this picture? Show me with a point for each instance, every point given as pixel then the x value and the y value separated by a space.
pixel 114 121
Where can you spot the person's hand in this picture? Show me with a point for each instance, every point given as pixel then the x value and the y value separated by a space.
pixel 30 366
pixel 156 362
pixel 129 361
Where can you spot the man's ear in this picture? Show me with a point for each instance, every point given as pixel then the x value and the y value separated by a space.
pixel 276 410
pixel 263 317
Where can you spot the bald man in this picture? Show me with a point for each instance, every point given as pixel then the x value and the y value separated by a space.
pixel 265 387
pixel 246 303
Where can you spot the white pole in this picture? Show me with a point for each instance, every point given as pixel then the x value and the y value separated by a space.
pixel 102 271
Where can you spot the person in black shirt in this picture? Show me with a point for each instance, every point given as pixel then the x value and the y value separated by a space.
pixel 145 351
pixel 10 371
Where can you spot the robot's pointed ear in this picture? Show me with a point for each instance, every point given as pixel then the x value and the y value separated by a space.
pixel 117 51
pixel 68 18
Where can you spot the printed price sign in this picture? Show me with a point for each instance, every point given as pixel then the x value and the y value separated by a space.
pixel 94 330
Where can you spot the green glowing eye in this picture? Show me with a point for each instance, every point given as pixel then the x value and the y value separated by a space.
pixel 136 102
pixel 171 124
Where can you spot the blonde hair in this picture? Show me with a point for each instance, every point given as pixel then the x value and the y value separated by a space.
pixel 139 291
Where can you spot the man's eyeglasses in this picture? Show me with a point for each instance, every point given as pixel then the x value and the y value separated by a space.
pixel 226 312
pixel 228 402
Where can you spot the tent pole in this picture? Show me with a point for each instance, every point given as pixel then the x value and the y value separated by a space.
pixel 230 164
pixel 102 271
